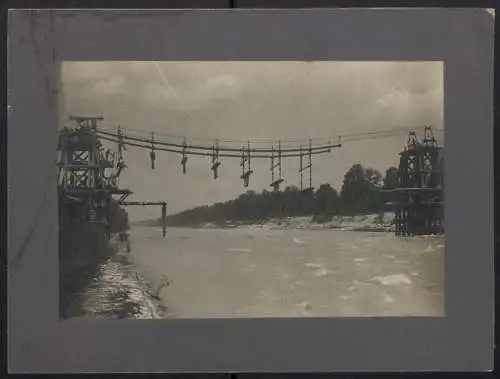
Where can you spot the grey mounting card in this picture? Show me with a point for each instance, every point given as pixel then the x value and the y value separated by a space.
pixel 40 40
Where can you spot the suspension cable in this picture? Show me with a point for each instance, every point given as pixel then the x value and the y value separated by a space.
pixel 210 148
pixel 206 153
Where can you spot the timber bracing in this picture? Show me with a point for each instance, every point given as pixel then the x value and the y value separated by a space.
pixel 419 200
pixel 82 166
pixel 88 175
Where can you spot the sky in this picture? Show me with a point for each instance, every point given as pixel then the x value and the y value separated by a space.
pixel 258 101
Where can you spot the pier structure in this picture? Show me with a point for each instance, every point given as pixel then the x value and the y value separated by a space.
pixel 88 177
pixel 419 199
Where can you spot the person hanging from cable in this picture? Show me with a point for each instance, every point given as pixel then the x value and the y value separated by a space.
pixel 120 166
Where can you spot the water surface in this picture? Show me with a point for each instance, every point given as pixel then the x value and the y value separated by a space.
pixel 261 272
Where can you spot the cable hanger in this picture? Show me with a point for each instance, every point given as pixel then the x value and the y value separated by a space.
pixel 152 154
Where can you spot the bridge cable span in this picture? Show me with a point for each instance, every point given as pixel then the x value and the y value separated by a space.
pixel 215 151
pixel 210 148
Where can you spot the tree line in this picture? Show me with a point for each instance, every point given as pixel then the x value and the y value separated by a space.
pixel 361 193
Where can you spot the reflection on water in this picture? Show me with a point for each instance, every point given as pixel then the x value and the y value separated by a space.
pixel 259 272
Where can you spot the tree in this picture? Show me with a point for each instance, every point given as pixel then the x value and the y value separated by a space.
pixel 361 189
pixel 360 193
pixel 327 201
pixel 291 201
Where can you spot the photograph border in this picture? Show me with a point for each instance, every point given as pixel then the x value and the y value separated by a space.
pixel 39 342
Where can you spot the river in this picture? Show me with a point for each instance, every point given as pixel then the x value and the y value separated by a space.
pixel 264 272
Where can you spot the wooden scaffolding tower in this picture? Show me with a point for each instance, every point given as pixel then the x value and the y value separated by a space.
pixel 419 201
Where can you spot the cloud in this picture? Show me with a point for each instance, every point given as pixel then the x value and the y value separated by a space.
pixel 219 86
pixel 157 88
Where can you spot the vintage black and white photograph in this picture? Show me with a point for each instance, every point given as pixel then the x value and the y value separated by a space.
pixel 250 189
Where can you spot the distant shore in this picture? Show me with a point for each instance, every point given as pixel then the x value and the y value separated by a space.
pixel 369 223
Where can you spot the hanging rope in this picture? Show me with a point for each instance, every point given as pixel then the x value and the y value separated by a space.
pixel 184 156
pixel 152 154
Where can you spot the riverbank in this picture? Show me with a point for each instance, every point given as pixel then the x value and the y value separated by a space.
pixel 109 287
pixel 369 223
pixel 116 290
pixel 97 276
